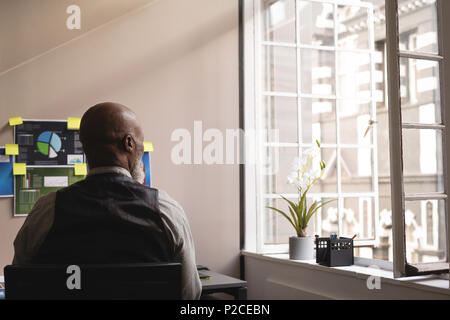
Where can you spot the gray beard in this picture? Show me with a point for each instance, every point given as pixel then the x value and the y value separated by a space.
pixel 137 172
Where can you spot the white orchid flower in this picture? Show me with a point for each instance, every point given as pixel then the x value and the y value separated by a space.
pixel 306 171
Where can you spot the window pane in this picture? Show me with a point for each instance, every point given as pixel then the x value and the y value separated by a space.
pixel 355 117
pixel 279 22
pixel 422 161
pixel 352 27
pixel 280 69
pixel 317 76
pixel 317 23
pixel 358 218
pixel 326 218
pixel 281 119
pixel 318 120
pixel 354 76
pixel 356 170
pixel 420 91
pixel 380 75
pixel 277 229
pixel 383 249
pixel 418 25
pixel 281 163
pixel 328 182
pixel 425 231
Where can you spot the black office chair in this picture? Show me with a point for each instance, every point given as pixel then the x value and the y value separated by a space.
pixel 152 281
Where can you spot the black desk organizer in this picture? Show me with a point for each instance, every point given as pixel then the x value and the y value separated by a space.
pixel 334 253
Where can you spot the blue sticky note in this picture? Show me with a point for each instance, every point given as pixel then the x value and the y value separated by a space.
pixel 6 174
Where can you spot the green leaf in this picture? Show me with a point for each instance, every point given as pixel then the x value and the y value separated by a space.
pixel 319 204
pixel 293 217
pixel 284 215
pixel 301 213
pixel 294 208
pixel 292 204
pixel 310 211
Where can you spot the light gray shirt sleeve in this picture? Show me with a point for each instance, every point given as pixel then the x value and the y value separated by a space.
pixel 175 221
pixel 35 229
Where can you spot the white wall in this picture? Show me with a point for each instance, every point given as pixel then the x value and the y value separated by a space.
pixel 287 280
pixel 173 62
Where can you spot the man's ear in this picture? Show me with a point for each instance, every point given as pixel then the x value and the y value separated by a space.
pixel 128 143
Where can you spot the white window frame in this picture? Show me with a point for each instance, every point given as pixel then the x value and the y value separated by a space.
pixel 444 27
pixel 254 236
pixel 253 226
pixel 401 267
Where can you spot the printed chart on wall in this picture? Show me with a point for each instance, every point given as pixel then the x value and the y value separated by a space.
pixel 49 155
pixel 146 161
pixel 50 150
pixel 6 174
pixel 48 143
pixel 39 181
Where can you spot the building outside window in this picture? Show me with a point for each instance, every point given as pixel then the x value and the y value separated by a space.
pixel 320 72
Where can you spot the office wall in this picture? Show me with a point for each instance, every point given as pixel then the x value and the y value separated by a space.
pixel 173 62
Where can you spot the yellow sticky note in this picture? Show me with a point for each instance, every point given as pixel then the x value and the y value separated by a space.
pixel 15 121
pixel 19 169
pixel 80 169
pixel 73 123
pixel 148 147
pixel 11 149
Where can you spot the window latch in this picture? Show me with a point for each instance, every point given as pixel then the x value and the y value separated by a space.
pixel 371 123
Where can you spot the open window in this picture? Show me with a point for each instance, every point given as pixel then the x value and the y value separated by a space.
pixel 418 93
pixel 321 69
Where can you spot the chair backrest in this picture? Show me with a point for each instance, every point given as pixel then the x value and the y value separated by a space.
pixel 124 281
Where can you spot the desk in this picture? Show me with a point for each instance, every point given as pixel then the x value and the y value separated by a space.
pixel 217 283
pixel 225 284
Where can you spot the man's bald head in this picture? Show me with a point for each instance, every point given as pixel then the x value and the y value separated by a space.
pixel 111 136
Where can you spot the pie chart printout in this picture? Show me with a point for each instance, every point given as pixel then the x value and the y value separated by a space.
pixel 49 150
pixel 49 144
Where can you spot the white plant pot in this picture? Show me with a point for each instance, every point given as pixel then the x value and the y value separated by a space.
pixel 301 248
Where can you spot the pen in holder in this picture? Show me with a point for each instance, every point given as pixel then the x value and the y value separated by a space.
pixel 334 252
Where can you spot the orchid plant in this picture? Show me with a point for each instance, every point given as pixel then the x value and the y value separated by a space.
pixel 306 172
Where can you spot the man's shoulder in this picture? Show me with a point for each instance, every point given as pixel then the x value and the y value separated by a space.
pixel 170 209
pixel 45 202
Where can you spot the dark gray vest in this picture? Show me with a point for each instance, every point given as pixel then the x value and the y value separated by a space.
pixel 106 218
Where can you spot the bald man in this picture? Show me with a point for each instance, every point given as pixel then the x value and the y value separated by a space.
pixel 110 217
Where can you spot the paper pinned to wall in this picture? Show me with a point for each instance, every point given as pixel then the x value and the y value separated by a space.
pixel 146 161
pixel 38 182
pixel 47 143
pixel 19 169
pixel 148 147
pixel 58 181
pixel 15 121
pixel 73 123
pixel 6 174
pixel 80 169
pixel 11 149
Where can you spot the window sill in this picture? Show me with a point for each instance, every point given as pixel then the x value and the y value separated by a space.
pixel 434 283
